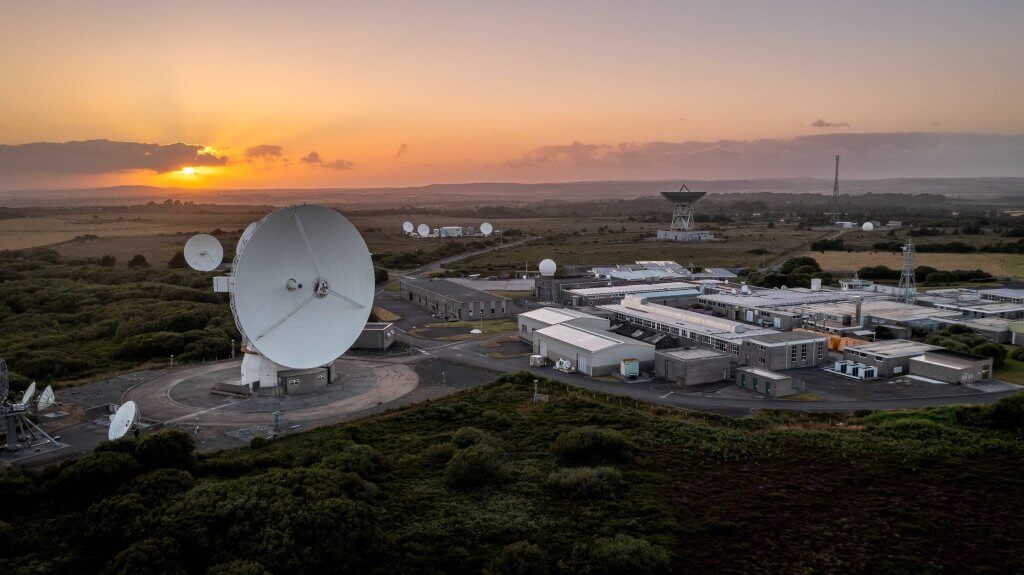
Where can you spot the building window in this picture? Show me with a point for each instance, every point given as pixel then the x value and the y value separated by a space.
pixel 803 352
pixel 761 360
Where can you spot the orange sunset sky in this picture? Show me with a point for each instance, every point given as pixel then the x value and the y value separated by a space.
pixel 341 94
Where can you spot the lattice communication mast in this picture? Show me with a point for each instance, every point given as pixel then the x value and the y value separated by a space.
pixel 908 282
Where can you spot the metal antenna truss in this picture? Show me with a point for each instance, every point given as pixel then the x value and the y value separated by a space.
pixel 908 281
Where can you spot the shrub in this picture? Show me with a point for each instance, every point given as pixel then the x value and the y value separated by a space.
pixel 438 454
pixel 620 554
pixel 520 558
pixel 91 477
pixel 149 556
pixel 138 261
pixel 586 444
pixel 363 460
pixel 1008 412
pixel 475 466
pixel 586 481
pixel 168 448
pixel 993 350
pixel 469 436
pixel 238 567
pixel 1017 353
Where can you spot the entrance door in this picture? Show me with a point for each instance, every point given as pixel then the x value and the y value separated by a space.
pixel 581 363
pixel 544 348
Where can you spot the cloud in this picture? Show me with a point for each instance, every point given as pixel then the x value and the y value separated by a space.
pixel 263 152
pixel 102 156
pixel 311 158
pixel 401 151
pixel 819 123
pixel 339 165
pixel 878 155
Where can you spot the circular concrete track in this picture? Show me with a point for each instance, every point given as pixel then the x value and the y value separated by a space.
pixel 183 397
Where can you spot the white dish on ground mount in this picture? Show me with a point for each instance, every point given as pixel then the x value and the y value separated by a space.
pixel 486 229
pixel 203 252
pixel 547 267
pixel 123 420
pixel 407 227
pixel 302 286
pixel 423 230
pixel 29 393
pixel 46 398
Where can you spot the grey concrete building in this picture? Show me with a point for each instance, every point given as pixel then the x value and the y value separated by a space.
pixel 890 357
pixel 951 367
pixel 765 382
pixel 591 352
pixel 783 350
pixel 531 321
pixel 692 366
pixel 452 302
pixel 377 335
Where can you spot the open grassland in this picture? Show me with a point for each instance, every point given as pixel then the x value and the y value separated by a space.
pixel 735 247
pixel 487 481
pixel 1000 265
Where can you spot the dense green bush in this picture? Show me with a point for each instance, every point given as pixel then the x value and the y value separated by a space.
pixel 363 460
pixel 591 444
pixel 171 448
pixel 467 436
pixel 620 554
pixel 438 454
pixel 586 481
pixel 475 466
pixel 520 558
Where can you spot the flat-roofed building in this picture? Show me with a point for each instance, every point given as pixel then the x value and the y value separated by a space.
pixel 994 330
pixel 453 302
pixel 951 367
pixel 777 308
pixel 613 294
pixel 1003 294
pixel 689 327
pixel 590 351
pixel 889 357
pixel 531 321
pixel 985 309
pixel 692 366
pixel 660 270
pixel 377 335
pixel 765 382
pixel 784 350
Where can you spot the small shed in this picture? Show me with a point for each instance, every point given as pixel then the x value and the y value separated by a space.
pixel 692 366
pixel 764 382
pixel 378 335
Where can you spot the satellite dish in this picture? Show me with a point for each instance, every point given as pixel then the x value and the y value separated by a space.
pixel 486 229
pixel 547 267
pixel 302 286
pixel 246 234
pixel 123 420
pixel 203 252
pixel 29 393
pixel 47 398
pixel 407 227
pixel 4 380
pixel 868 226
pixel 423 230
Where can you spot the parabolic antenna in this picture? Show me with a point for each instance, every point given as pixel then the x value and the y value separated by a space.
pixel 123 420
pixel 486 229
pixel 407 227
pixel 302 286
pixel 203 252
pixel 46 398
pixel 29 393
pixel 246 234
pixel 547 267
pixel 423 230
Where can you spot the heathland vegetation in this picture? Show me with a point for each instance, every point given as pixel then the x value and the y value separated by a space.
pixel 486 481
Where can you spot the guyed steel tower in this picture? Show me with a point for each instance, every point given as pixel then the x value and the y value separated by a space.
pixel 908 283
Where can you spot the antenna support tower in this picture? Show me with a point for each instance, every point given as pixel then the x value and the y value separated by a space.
pixel 835 192
pixel 908 282
pixel 682 217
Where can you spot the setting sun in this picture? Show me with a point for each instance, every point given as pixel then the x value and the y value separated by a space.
pixel 188 171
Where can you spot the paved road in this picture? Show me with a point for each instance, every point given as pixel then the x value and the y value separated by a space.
pixel 437 265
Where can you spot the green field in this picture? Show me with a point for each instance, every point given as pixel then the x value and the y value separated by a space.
pixel 487 481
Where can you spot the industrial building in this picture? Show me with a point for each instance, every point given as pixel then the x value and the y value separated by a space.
pixel 613 294
pixel 778 308
pixel 783 350
pixel 765 382
pixel 453 302
pixel 951 367
pixel 531 321
pixel 378 335
pixel 1003 294
pixel 692 366
pixel 985 309
pixel 994 330
pixel 890 357
pixel 591 352
pixel 660 270
pixel 689 327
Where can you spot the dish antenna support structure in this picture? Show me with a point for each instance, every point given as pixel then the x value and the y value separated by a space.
pixel 682 215
pixel 21 431
pixel 301 289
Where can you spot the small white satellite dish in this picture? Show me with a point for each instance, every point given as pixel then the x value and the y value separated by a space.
pixel 46 398
pixel 423 230
pixel 203 252
pixel 302 286
pixel 123 420
pixel 407 227
pixel 486 229
pixel 476 331
pixel 29 393
pixel 868 226
pixel 547 267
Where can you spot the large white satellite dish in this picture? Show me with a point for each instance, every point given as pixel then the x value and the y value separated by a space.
pixel 302 286
pixel 423 230
pixel 29 393
pixel 407 227
pixel 246 234
pixel 203 252
pixel 46 398
pixel 123 420
pixel 547 267
pixel 486 229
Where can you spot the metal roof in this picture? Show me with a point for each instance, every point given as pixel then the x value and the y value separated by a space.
pixel 553 315
pixel 586 339
pixel 893 348
pixel 452 290
pixel 635 288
